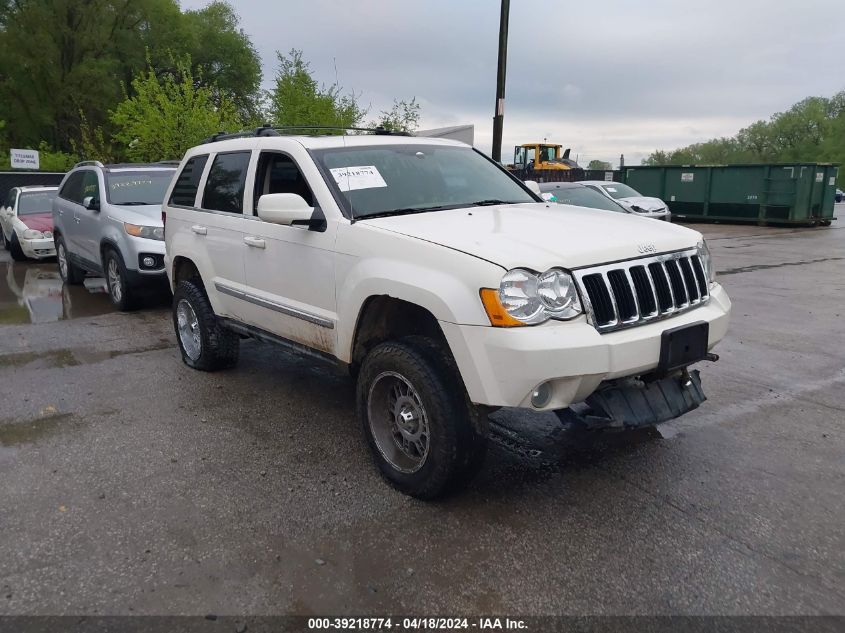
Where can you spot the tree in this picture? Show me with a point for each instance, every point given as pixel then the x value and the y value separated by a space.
pixel 224 55
pixel 297 98
pixel 812 130
pixel 167 115
pixel 62 60
pixel 404 116
pixel 60 57
pixel 599 165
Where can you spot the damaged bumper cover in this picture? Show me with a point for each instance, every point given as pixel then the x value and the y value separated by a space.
pixel 631 403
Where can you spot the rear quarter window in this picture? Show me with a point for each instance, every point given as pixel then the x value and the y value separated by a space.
pixel 185 190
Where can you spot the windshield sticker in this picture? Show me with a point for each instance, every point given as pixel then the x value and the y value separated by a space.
pixel 362 177
pixel 129 183
pixel 610 189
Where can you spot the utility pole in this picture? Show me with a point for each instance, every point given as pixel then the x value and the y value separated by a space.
pixel 499 116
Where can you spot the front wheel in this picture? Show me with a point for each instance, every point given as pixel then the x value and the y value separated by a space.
pixel 16 250
pixel 121 294
pixel 417 419
pixel 204 343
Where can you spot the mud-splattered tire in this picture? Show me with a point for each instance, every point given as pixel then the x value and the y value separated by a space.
pixel 204 342
pixel 69 272
pixel 422 430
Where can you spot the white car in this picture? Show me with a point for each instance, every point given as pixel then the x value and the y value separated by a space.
pixel 631 199
pixel 445 285
pixel 26 221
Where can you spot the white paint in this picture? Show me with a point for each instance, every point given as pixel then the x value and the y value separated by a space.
pixel 24 158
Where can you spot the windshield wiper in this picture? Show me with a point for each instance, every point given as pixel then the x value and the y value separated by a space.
pixel 401 211
pixel 490 202
pixel 133 203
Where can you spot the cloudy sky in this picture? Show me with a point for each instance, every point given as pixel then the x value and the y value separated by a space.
pixel 606 78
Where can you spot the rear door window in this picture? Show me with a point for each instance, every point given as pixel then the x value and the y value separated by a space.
pixel 224 188
pixel 72 189
pixel 185 190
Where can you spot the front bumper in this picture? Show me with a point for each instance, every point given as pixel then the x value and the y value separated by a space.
pixel 503 366
pixel 655 215
pixel 38 248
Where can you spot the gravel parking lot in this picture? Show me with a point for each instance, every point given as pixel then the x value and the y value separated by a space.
pixel 132 484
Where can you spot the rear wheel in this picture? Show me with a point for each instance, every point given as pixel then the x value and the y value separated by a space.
pixel 417 418
pixel 203 341
pixel 69 272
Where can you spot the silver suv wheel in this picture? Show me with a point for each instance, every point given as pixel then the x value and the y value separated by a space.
pixel 115 283
pixel 61 255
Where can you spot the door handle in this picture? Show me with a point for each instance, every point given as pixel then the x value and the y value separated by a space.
pixel 255 242
pixel 199 230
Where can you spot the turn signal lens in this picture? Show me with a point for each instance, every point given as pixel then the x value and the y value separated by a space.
pixel 497 314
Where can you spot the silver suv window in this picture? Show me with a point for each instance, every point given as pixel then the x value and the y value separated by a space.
pixel 137 186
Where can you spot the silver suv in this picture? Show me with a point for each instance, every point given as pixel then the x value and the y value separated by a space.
pixel 107 221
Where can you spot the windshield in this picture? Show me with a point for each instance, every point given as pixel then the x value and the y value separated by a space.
pixel 396 179
pixel 36 202
pixel 585 197
pixel 138 187
pixel 618 190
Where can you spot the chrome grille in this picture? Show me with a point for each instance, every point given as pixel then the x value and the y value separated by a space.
pixel 642 290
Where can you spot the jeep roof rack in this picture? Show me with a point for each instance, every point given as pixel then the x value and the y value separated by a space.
pixel 267 130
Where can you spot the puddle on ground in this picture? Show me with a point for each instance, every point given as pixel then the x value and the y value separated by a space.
pixel 33 292
pixel 67 357
pixel 18 433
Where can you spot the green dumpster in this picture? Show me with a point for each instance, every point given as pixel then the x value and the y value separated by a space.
pixel 794 193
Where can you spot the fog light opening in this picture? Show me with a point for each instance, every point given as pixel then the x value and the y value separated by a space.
pixel 541 395
pixel 149 262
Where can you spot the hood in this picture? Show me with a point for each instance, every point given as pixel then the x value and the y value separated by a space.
pixel 644 202
pixel 540 236
pixel 148 214
pixel 38 221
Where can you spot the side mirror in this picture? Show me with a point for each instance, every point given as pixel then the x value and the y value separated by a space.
pixel 91 203
pixel 533 186
pixel 284 208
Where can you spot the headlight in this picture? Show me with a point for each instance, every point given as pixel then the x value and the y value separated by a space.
pixel 558 295
pixel 148 232
pixel 518 293
pixel 526 298
pixel 706 261
pixel 32 234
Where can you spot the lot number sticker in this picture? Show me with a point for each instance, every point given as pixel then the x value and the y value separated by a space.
pixel 362 177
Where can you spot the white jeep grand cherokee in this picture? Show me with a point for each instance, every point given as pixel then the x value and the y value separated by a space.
pixel 448 287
